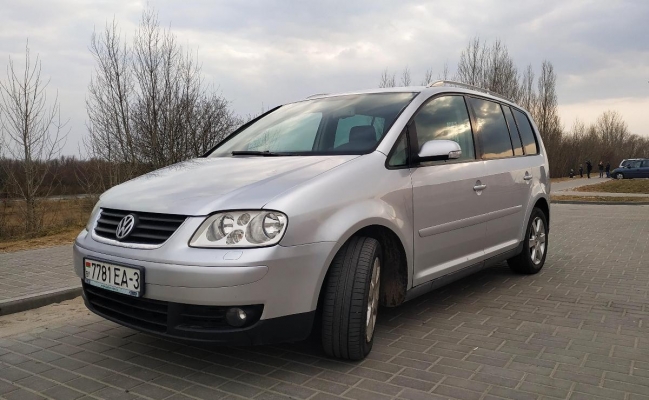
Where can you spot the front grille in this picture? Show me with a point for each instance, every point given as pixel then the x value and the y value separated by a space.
pixel 149 228
pixel 163 317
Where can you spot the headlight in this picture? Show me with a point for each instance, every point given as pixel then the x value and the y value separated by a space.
pixel 93 216
pixel 241 229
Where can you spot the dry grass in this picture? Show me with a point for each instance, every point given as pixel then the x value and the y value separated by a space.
pixel 55 239
pixel 565 178
pixel 601 199
pixel 618 186
pixel 62 220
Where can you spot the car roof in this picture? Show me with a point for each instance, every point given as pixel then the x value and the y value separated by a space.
pixel 426 90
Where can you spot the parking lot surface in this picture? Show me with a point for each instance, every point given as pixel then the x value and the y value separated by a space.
pixel 577 330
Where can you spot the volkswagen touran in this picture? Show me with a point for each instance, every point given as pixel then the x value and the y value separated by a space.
pixel 318 212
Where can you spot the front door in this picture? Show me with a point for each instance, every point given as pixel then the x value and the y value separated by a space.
pixel 449 230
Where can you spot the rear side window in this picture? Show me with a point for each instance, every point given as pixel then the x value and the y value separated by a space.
pixel 527 134
pixel 645 164
pixel 492 129
pixel 446 118
pixel 513 131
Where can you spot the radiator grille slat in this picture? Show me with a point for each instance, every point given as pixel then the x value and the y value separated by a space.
pixel 150 228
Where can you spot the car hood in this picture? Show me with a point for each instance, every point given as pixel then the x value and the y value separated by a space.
pixel 204 185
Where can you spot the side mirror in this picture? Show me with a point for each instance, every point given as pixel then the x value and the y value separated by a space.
pixel 439 150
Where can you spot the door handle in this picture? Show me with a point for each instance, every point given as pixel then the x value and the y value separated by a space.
pixel 479 187
pixel 527 176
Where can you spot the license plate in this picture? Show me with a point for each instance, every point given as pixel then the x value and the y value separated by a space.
pixel 116 278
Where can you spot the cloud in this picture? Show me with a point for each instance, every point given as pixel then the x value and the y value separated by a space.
pixel 267 52
pixel 632 109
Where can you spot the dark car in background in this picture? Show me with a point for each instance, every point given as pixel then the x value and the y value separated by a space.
pixel 632 168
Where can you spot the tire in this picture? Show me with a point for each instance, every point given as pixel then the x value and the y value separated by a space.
pixel 529 261
pixel 619 175
pixel 350 296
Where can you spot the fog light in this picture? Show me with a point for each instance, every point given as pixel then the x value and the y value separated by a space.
pixel 236 316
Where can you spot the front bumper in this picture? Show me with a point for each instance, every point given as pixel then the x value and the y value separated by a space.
pixel 286 281
pixel 184 322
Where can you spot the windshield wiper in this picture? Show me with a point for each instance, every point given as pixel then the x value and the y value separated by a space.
pixel 265 153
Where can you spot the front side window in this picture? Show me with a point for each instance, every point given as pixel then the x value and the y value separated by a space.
pixel 350 124
pixel 446 118
pixel 527 134
pixel 492 127
pixel 399 156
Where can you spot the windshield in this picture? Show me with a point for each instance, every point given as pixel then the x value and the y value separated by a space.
pixel 352 124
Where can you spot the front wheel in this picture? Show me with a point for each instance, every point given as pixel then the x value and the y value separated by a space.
pixel 619 175
pixel 351 299
pixel 535 246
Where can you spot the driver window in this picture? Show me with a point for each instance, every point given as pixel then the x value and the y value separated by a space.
pixel 446 118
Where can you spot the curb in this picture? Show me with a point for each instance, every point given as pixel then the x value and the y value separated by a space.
pixel 37 300
pixel 602 203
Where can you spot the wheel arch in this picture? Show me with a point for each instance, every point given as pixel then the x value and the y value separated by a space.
pixel 542 203
pixel 394 271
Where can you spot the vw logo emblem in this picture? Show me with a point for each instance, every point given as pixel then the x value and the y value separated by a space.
pixel 125 227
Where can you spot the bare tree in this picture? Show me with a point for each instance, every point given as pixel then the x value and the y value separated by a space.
pixel 405 77
pixel 473 59
pixel 32 133
pixel 148 105
pixel 428 77
pixel 546 113
pixel 444 74
pixel 527 95
pixel 387 80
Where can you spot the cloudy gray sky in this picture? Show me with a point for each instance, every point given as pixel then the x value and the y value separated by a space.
pixel 261 53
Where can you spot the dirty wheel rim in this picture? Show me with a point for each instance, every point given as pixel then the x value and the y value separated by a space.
pixel 537 240
pixel 619 176
pixel 373 300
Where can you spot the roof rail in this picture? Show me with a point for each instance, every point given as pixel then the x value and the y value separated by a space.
pixel 467 86
pixel 317 95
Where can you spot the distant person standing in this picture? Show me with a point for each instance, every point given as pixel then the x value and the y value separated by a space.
pixel 608 169
pixel 581 170
pixel 601 169
pixel 589 167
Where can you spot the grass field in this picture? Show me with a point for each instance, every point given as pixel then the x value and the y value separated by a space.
pixel 601 199
pixel 618 186
pixel 61 221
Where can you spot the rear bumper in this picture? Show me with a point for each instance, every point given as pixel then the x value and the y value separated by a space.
pixel 169 323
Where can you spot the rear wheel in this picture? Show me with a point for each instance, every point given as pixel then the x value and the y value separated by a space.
pixel 351 299
pixel 535 245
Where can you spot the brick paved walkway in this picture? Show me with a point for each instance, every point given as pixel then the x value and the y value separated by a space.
pixel 25 273
pixel 578 330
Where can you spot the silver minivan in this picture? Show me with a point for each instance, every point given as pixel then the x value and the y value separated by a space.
pixel 317 212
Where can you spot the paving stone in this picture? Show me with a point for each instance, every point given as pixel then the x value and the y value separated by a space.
pixel 577 330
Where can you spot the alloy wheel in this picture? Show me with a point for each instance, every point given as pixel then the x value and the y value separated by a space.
pixel 537 240
pixel 373 300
